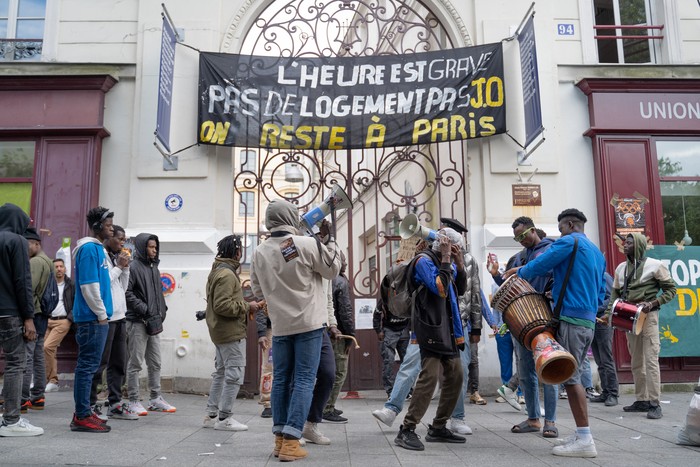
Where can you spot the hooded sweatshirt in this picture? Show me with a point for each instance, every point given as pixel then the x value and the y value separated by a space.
pixel 288 271
pixel 93 293
pixel 119 283
pixel 144 295
pixel 645 276
pixel 15 275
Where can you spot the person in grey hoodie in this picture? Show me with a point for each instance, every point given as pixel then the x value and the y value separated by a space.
pixel 16 316
pixel 288 271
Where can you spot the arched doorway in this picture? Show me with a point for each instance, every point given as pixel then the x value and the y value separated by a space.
pixel 386 183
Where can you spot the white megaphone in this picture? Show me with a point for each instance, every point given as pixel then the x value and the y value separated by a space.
pixel 411 227
pixel 338 199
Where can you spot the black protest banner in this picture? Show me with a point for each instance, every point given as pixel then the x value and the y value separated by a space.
pixel 355 102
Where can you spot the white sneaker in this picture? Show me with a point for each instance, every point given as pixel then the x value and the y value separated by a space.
pixel 385 415
pixel 509 395
pixel 500 399
pixel 51 387
pixel 21 428
pixel 302 442
pixel 577 448
pixel 121 411
pixel 209 421
pixel 313 435
pixel 563 441
pixel 137 408
pixel 521 400
pixel 230 424
pixel 460 426
pixel 97 410
pixel 160 405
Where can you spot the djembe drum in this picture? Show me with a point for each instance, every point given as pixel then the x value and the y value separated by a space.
pixel 627 317
pixel 527 313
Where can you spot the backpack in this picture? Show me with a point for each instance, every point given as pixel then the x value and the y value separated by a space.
pixel 397 288
pixel 49 299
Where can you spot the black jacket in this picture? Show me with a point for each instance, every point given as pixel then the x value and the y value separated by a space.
pixel 144 295
pixel 16 293
pixel 68 296
pixel 342 307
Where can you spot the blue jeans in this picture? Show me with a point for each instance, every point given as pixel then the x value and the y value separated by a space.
pixel 530 386
pixel 408 373
pixel 465 355
pixel 12 342
pixel 504 345
pixel 91 338
pixel 405 378
pixel 294 357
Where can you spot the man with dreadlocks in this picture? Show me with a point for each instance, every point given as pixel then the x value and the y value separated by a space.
pixel 647 283
pixel 226 316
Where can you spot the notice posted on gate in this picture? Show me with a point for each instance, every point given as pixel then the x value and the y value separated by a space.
pixel 351 102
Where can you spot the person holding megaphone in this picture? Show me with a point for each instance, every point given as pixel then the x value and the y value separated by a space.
pixel 288 271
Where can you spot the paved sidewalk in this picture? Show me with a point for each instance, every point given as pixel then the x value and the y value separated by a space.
pixel 178 439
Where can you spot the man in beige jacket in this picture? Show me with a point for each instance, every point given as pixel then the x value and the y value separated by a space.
pixel 288 271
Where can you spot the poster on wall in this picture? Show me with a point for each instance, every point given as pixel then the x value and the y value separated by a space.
pixel 630 215
pixel 364 309
pixel 351 102
pixel 679 320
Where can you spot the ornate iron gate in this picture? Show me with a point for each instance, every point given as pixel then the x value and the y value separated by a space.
pixel 384 184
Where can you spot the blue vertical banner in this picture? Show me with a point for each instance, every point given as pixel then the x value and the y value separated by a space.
pixel 531 81
pixel 165 83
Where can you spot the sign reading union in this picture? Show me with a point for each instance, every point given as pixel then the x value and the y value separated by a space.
pixel 351 102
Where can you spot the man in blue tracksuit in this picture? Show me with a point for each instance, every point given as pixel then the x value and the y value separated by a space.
pixel 575 324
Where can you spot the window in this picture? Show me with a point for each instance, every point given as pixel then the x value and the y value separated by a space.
pixel 16 172
pixel 246 207
pixel 619 18
pixel 21 29
pixel 249 244
pixel 679 172
pixel 248 161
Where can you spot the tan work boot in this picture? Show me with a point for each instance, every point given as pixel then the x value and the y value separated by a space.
pixel 291 450
pixel 278 445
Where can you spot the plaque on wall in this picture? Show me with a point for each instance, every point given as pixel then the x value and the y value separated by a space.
pixel 527 194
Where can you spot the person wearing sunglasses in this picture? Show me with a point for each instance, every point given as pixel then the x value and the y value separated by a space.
pixel 525 233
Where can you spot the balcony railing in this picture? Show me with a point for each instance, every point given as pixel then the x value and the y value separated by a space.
pixel 613 27
pixel 20 49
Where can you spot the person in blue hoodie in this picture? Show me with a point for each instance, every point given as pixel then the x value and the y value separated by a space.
pixel 525 233
pixel 92 309
pixel 575 324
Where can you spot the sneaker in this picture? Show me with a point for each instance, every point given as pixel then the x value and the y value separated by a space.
pixel 210 421
pixel 408 439
pixel 591 393
pixel 121 412
pixel 90 424
pixel 563 441
pixel 611 401
pixel 654 412
pixel 577 448
pixel 26 405
pixel 51 387
pixel 337 412
pixel 562 394
pixel 331 417
pixel 521 400
pixel 312 434
pixel 137 408
pixel 500 400
pixel 460 426
pixel 38 404
pixel 443 435
pixel 97 410
pixel 160 405
pixel 266 413
pixel 638 406
pixel 599 399
pixel 230 424
pixel 20 428
pixel 509 395
pixel 385 415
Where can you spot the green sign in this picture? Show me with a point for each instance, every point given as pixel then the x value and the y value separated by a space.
pixel 679 320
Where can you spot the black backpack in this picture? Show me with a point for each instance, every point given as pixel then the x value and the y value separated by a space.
pixel 49 299
pixel 397 288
